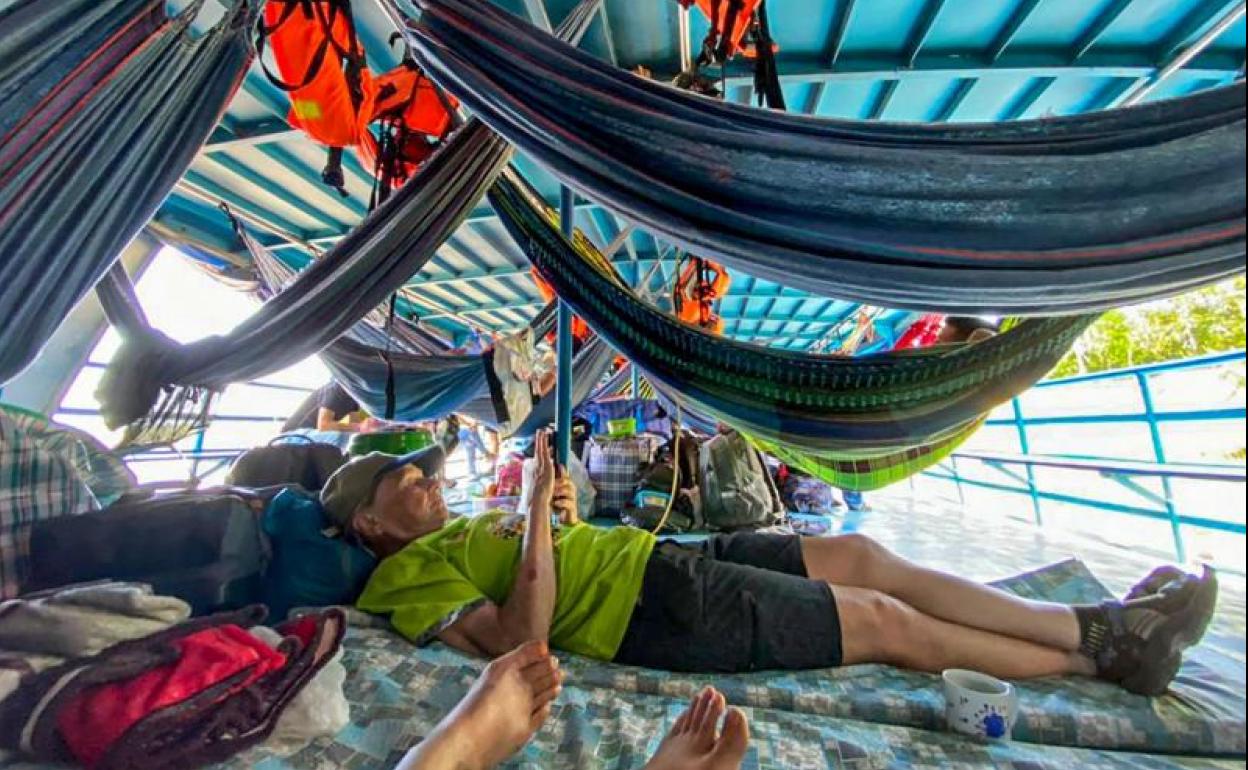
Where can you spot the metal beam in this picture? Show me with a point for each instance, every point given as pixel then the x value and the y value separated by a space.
pixel 266 186
pixel 1028 98
pixel 538 15
pixel 1108 95
pixel 240 136
pixel 957 95
pixel 922 30
pixel 195 186
pixel 496 308
pixel 882 97
pixel 840 26
pixel 1184 56
pixel 1012 25
pixel 807 69
pixel 1103 21
pixel 683 41
pixel 607 35
pixel 814 98
pixel 1194 25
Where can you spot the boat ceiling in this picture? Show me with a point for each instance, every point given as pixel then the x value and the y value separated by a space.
pixel 891 60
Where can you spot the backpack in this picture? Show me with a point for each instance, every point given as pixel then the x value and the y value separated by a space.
pixel 737 490
pixel 615 467
pixel 307 464
pixel 204 548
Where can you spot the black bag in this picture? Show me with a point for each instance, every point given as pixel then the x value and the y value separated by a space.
pixel 206 549
pixel 653 490
pixel 307 464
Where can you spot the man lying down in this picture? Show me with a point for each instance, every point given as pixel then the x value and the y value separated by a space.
pixel 739 602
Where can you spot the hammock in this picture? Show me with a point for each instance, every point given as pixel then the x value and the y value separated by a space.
pixel 858 408
pixel 392 244
pixel 103 104
pixel 1052 216
pixel 427 384
pixel 377 328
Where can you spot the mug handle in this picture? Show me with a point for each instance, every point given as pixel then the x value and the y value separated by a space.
pixel 1014 707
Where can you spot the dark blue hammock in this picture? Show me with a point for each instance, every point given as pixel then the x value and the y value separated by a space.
pixel 103 105
pixel 335 292
pixel 1049 217
pixel 427 384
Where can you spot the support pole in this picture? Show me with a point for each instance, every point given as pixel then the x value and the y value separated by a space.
pixel 686 45
pixel 1184 56
pixel 563 347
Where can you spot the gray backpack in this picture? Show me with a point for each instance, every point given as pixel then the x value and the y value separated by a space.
pixel 737 490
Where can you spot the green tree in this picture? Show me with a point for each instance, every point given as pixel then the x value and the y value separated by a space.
pixel 1205 321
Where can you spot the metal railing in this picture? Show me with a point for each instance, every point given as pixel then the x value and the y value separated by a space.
pixel 199 455
pixel 1020 471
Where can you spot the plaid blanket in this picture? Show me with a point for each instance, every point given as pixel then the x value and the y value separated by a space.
pixel 614 468
pixel 41 476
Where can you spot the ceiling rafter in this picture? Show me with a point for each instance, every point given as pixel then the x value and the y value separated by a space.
pixel 923 30
pixel 1018 17
pixel 949 107
pixel 1099 26
pixel 840 28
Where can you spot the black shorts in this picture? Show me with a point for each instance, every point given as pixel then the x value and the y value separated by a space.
pixel 739 602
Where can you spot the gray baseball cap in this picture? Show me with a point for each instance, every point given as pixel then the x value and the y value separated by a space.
pixel 355 482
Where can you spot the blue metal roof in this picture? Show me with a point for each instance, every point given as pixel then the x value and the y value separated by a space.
pixel 896 60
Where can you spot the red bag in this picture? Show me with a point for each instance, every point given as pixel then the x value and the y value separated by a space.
pixel 510 476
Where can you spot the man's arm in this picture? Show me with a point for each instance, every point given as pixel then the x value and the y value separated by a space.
pixel 527 613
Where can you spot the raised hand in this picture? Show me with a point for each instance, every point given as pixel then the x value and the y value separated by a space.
pixel 544 478
pixel 564 501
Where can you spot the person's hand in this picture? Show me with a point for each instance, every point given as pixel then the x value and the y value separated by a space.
pixel 544 477
pixel 564 501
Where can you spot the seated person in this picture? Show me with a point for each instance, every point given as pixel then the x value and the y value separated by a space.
pixel 329 408
pixel 512 698
pixel 738 602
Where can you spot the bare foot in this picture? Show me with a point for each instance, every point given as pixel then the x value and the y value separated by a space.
pixel 695 742
pixel 499 715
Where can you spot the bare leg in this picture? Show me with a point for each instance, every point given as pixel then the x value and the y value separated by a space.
pixel 877 628
pixel 858 561
pixel 503 710
pixel 695 741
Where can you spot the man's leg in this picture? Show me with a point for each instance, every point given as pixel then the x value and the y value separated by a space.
pixel 857 561
pixel 877 628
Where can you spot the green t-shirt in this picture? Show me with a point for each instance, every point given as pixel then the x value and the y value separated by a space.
pixel 429 583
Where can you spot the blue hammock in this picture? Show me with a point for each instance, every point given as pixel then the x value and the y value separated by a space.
pixel 1044 217
pixel 103 105
pixel 428 384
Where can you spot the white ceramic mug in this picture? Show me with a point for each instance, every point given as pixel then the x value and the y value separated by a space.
pixel 979 705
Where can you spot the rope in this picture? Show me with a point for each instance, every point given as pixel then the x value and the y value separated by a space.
pixel 671 500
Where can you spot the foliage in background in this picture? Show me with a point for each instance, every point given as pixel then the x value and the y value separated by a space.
pixel 1206 321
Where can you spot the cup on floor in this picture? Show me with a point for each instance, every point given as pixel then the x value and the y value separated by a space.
pixel 979 705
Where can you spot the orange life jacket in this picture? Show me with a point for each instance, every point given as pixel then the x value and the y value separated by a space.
pixel 580 329
pixel 701 282
pixel 730 19
pixel 415 114
pixel 321 67
pixel 335 98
